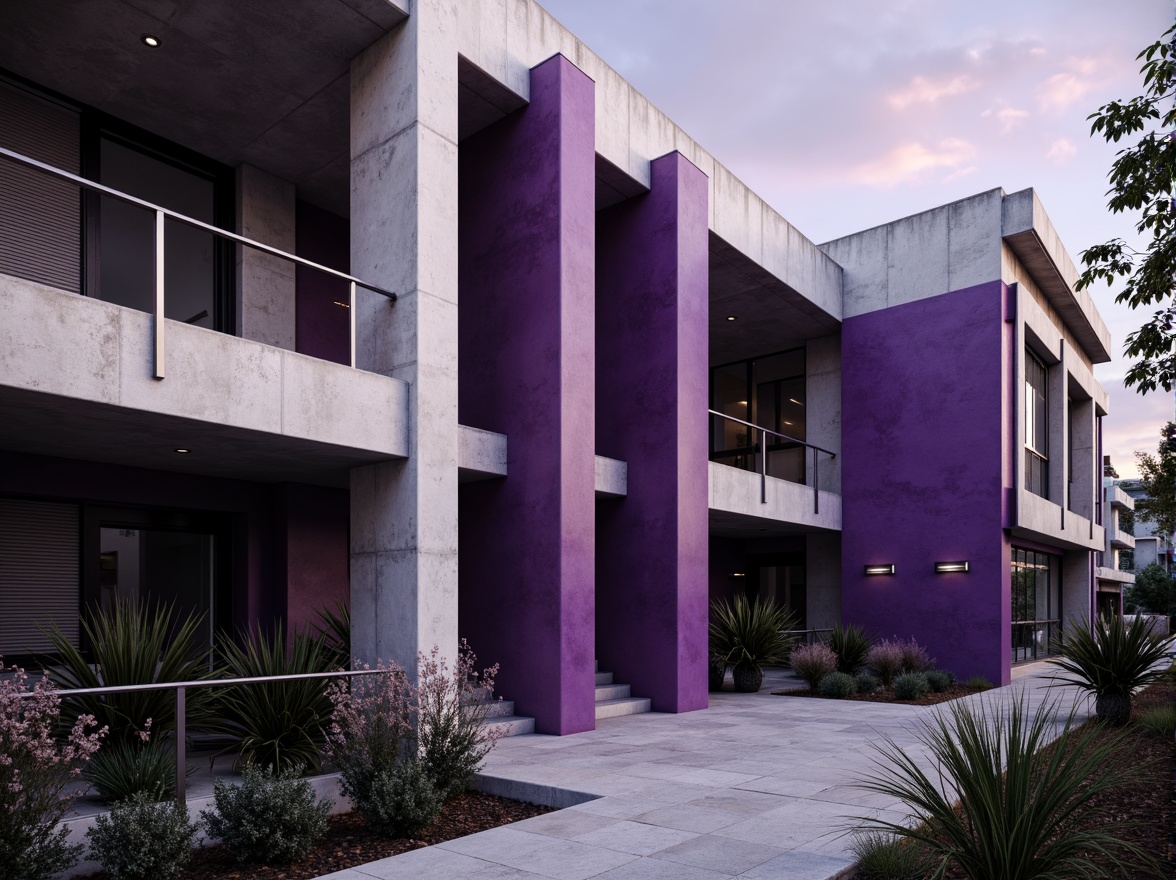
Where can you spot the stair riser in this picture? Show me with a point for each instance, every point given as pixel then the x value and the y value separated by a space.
pixel 615 709
pixel 612 692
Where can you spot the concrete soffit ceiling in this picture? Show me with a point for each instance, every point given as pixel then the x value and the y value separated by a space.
pixel 263 83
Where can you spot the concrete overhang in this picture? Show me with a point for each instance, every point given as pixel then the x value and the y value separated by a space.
pixel 262 83
pixel 1113 576
pixel 1116 497
pixel 1039 519
pixel 1027 230
pixel 736 510
pixel 76 382
pixel 481 455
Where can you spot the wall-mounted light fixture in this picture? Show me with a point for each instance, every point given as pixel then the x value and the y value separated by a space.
pixel 886 568
pixel 150 40
pixel 945 567
pixel 738 574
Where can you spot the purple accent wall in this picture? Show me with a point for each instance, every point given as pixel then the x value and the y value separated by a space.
pixel 321 326
pixel 527 369
pixel 924 432
pixel 313 552
pixel 651 400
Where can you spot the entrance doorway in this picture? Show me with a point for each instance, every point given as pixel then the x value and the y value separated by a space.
pixel 780 578
pixel 161 558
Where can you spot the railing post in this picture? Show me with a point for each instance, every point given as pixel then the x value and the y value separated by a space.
pixel 351 319
pixel 763 466
pixel 158 310
pixel 181 757
pixel 816 481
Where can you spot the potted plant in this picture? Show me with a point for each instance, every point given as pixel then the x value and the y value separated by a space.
pixel 749 635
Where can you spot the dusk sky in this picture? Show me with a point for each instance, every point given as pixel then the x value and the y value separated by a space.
pixel 844 115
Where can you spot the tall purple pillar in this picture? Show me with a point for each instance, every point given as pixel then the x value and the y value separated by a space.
pixel 527 370
pixel 651 400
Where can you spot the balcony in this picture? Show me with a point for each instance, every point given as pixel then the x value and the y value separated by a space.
pixel 747 500
pixel 84 378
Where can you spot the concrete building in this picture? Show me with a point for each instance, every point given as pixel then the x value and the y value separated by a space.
pixel 1114 568
pixel 492 421
pixel 1151 546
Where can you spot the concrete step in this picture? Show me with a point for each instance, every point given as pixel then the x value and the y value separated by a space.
pixel 623 706
pixel 604 678
pixel 515 725
pixel 611 692
pixel 499 708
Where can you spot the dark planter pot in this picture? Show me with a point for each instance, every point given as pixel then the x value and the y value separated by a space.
pixel 747 678
pixel 716 673
pixel 1113 708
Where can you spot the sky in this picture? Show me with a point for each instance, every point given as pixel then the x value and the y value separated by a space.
pixel 844 114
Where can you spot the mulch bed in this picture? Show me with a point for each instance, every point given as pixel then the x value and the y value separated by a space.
pixel 887 696
pixel 349 843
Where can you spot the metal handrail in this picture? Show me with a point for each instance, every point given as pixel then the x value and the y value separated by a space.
pixel 182 687
pixel 161 214
pixel 764 457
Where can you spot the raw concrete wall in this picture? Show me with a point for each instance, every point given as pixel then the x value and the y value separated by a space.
pixel 527 269
pixel 923 444
pixel 823 404
pixel 651 387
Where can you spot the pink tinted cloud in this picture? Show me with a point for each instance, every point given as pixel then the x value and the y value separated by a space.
pixel 921 90
pixel 913 161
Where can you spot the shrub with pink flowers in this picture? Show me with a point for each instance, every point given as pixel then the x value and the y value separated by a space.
pixel 885 660
pixel 813 662
pixel 35 771
pixel 450 715
pixel 401 750
pixel 915 657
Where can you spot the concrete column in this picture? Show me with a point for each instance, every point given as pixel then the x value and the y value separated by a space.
pixel 527 371
pixel 651 400
pixel 822 557
pixel 823 393
pixel 1087 470
pixel 1057 397
pixel 265 283
pixel 404 238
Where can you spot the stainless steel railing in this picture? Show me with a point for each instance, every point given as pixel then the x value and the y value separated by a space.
pixel 182 687
pixel 163 214
pixel 763 457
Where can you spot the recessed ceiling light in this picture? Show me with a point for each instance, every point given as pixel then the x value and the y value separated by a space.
pixel 794 400
pixel 150 40
pixel 730 317
pixel 181 450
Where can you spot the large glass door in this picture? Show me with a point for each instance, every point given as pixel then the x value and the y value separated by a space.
pixel 1036 599
pixel 124 235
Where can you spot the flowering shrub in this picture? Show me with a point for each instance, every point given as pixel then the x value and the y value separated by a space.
pixel 813 662
pixel 34 771
pixel 450 716
pixel 915 657
pixel 885 661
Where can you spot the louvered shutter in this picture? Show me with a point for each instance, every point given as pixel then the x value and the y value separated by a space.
pixel 40 216
pixel 39 573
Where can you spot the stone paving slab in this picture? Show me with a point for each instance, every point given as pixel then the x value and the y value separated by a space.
pixel 756 787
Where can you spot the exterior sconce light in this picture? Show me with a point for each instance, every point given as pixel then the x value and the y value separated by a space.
pixel 887 568
pixel 738 574
pixel 946 567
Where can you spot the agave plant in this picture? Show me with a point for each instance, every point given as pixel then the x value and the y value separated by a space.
pixel 334 625
pixel 998 803
pixel 750 635
pixel 279 723
pixel 851 645
pixel 1110 661
pixel 134 644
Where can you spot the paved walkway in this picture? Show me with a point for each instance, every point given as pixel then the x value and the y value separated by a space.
pixel 756 787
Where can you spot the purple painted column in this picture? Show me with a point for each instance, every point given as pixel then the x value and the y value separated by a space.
pixel 924 438
pixel 651 399
pixel 526 369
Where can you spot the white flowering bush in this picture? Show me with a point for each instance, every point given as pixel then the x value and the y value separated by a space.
pixel 35 771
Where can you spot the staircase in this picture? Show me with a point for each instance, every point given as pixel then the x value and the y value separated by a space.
pixel 501 714
pixel 615 700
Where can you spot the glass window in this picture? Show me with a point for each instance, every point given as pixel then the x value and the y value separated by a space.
pixel 1036 427
pixel 1036 604
pixel 126 236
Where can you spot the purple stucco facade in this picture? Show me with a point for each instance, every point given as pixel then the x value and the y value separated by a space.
pixel 651 398
pixel 527 370
pixel 924 448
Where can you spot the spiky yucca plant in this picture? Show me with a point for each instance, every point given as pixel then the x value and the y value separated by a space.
pixel 851 645
pixel 1110 661
pixel 334 625
pixel 279 723
pixel 999 805
pixel 134 644
pixel 750 635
